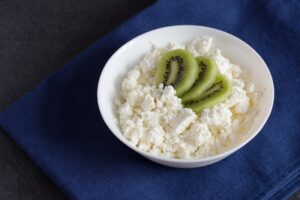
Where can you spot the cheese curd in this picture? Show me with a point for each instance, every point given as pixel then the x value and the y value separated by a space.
pixel 153 119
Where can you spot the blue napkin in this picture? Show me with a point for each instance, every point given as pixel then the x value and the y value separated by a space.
pixel 59 126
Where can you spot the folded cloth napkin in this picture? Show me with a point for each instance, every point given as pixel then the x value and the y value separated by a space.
pixel 59 125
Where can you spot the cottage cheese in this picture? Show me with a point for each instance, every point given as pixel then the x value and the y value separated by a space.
pixel 153 118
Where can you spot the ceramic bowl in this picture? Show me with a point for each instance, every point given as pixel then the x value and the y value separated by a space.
pixel 232 47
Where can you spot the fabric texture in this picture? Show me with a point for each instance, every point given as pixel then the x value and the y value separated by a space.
pixel 59 126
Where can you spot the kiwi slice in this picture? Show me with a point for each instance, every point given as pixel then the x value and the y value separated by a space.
pixel 177 68
pixel 206 76
pixel 216 93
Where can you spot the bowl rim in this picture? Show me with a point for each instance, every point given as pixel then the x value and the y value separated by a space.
pixel 186 160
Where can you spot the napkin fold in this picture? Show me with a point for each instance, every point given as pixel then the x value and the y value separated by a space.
pixel 59 126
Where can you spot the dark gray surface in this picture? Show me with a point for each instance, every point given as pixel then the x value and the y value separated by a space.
pixel 36 38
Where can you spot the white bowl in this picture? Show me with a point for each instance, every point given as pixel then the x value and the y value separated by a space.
pixel 130 53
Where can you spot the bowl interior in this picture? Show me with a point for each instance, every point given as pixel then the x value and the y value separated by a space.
pixel 233 48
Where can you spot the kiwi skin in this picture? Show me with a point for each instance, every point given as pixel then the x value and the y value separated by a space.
pixel 218 92
pixel 185 78
pixel 205 78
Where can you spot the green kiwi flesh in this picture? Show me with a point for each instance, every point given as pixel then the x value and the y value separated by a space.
pixel 177 68
pixel 206 76
pixel 216 93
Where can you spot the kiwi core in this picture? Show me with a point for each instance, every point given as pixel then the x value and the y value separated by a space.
pixel 174 66
pixel 215 88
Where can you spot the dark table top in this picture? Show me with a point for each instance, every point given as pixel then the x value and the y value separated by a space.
pixel 37 37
